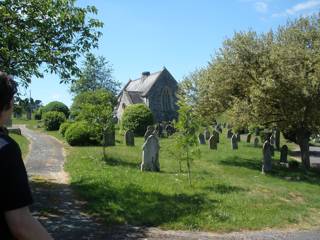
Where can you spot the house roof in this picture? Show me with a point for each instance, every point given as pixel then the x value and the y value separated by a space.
pixel 143 85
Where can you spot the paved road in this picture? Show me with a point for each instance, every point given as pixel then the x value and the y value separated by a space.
pixel 57 208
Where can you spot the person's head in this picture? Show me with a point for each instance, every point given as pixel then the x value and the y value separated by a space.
pixel 8 89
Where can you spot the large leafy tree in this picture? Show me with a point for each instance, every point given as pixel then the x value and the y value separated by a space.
pixel 271 79
pixel 96 74
pixel 45 35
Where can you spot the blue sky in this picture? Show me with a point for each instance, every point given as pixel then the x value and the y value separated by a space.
pixel 182 35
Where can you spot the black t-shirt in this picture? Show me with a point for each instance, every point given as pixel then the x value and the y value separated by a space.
pixel 14 185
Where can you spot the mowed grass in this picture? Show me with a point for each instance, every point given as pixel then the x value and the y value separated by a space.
pixel 23 143
pixel 228 191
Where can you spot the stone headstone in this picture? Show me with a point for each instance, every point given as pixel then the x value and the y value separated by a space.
pixel 149 132
pixel 159 129
pixel 129 138
pixel 284 154
pixel 272 150
pixel 216 135
pixel 257 131
pixel 238 137
pixel 272 141
pixel 213 144
pixel 201 138
pixel 249 137
pixel 277 139
pixel 170 130
pixel 267 159
pixel 15 131
pixel 234 142
pixel 256 142
pixel 229 133
pixel 110 138
pixel 150 154
pixel 207 134
pixel 218 128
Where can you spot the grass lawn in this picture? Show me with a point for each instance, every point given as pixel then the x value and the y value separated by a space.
pixel 23 143
pixel 228 191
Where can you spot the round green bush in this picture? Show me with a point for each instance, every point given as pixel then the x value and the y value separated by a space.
pixel 80 134
pixel 56 107
pixel 63 127
pixel 53 120
pixel 136 117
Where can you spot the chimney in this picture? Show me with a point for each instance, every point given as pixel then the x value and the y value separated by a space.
pixel 144 75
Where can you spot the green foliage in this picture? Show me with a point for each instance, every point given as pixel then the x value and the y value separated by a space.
pixel 100 97
pixel 57 107
pixel 186 138
pixel 137 117
pixel 80 134
pixel 50 34
pixel 53 120
pixel 96 74
pixel 63 128
pixel 38 114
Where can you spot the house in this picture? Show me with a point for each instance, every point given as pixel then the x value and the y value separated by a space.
pixel 156 90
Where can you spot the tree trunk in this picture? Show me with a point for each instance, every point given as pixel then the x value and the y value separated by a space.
pixel 303 141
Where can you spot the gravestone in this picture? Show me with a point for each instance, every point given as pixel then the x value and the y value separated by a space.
pixel 272 141
pixel 267 159
pixel 249 137
pixel 229 133
pixel 213 144
pixel 150 155
pixel 277 139
pixel 149 132
pixel 256 142
pixel 110 138
pixel 170 130
pixel 234 142
pixel 216 135
pixel 284 154
pixel 29 115
pixel 201 138
pixel 257 131
pixel 129 138
pixel 238 137
pixel 159 129
pixel 207 134
pixel 272 150
pixel 218 128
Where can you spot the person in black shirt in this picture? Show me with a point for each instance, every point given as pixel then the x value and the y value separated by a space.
pixel 16 221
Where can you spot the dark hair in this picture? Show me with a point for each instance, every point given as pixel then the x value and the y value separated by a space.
pixel 8 88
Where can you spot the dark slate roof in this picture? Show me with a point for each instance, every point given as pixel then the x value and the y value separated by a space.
pixel 135 97
pixel 142 85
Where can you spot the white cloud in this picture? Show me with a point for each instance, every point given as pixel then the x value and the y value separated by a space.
pixel 261 7
pixel 298 8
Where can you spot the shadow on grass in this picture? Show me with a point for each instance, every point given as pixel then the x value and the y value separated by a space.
pixel 290 174
pixel 224 189
pixel 130 204
pixel 112 161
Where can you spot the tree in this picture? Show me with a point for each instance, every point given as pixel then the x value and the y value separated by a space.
pixel 47 35
pixel 186 141
pixel 271 79
pixel 96 74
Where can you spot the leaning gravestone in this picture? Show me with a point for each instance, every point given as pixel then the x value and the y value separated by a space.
pixel 249 137
pixel 207 134
pixel 150 155
pixel 284 154
pixel 277 139
pixel 213 144
pixel 129 138
pixel 110 138
pixel 267 159
pixel 234 142
pixel 272 140
pixel 229 133
pixel 238 137
pixel 216 135
pixel 149 131
pixel 256 142
pixel 201 138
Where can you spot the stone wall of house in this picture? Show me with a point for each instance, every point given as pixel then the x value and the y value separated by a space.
pixel 165 83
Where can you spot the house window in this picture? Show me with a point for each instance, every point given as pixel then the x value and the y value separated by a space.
pixel 166 100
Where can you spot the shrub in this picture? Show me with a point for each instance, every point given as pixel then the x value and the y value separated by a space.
pixel 294 164
pixel 63 127
pixel 53 120
pixel 56 107
pixel 38 114
pixel 80 134
pixel 136 117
